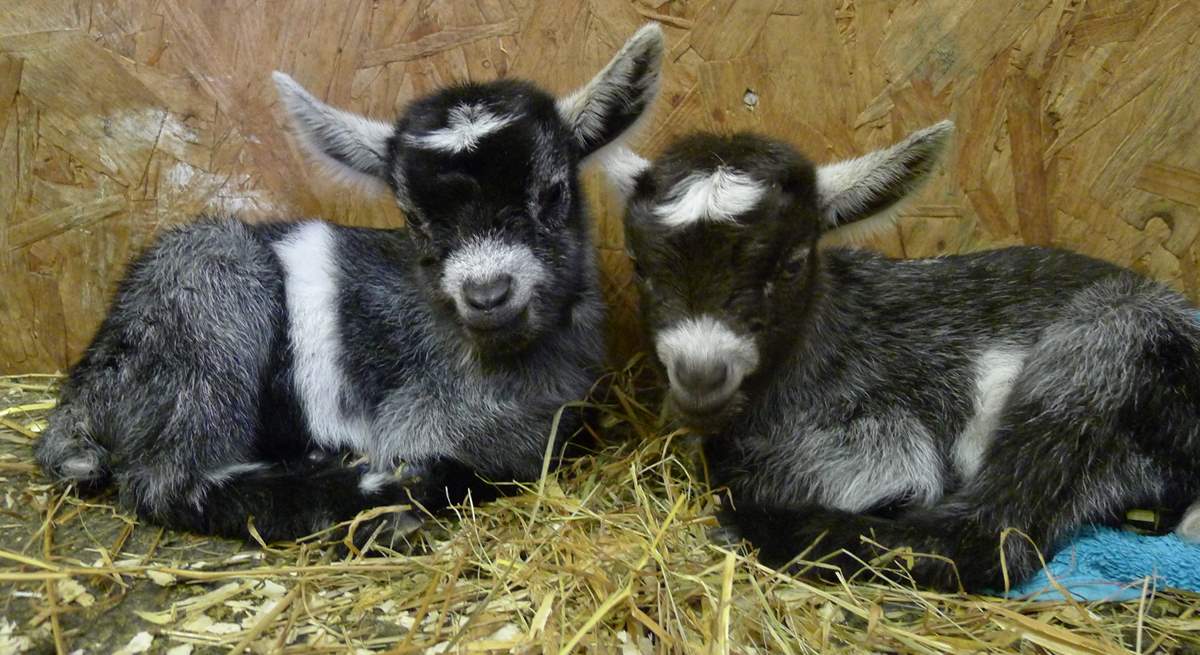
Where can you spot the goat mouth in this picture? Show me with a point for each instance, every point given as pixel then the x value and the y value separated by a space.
pixel 504 335
pixel 492 323
pixel 704 416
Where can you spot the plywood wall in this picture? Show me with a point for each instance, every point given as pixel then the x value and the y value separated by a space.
pixel 1077 118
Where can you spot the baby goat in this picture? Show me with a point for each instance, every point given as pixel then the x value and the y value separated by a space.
pixel 235 354
pixel 1024 388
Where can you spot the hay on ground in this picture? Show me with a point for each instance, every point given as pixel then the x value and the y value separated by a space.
pixel 609 554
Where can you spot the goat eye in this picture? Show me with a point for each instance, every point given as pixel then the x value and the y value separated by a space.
pixel 554 195
pixel 756 325
pixel 431 257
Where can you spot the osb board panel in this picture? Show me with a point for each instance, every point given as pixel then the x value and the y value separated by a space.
pixel 1077 119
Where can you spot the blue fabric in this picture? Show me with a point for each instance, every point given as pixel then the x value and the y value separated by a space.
pixel 1108 564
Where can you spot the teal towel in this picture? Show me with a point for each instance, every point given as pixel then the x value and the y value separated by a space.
pixel 1113 565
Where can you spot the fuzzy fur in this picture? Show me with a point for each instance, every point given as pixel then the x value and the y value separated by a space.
pixel 237 359
pixel 930 404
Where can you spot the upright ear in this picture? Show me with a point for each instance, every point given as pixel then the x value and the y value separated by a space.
pixel 354 148
pixel 620 94
pixel 860 188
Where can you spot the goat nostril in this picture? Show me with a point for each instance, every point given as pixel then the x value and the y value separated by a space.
pixel 488 294
pixel 702 377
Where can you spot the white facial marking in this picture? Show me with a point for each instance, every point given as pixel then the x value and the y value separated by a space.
pixel 311 283
pixel 487 257
pixel 718 196
pixel 995 371
pixel 704 340
pixel 466 126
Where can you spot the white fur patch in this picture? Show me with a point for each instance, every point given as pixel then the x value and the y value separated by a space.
pixel 1189 527
pixel 227 473
pixel 81 467
pixel 219 477
pixel 466 126
pixel 995 371
pixel 311 283
pixel 704 340
pixel 485 258
pixel 719 196
pixel 893 457
pixel 373 482
pixel 622 167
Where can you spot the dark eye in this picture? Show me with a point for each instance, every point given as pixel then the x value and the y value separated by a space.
pixel 756 325
pixel 416 224
pixel 431 256
pixel 554 195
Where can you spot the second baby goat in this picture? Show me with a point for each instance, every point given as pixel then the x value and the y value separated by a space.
pixel 853 400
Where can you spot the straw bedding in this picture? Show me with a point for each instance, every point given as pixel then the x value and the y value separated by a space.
pixel 608 555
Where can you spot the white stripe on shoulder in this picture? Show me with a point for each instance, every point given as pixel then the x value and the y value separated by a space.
pixel 466 125
pixel 996 371
pixel 311 283
pixel 719 196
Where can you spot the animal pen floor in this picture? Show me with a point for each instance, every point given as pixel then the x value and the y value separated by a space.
pixel 608 555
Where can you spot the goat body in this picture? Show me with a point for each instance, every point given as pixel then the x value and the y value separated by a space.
pixel 855 401
pixel 236 359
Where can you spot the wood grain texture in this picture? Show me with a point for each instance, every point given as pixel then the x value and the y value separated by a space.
pixel 1077 119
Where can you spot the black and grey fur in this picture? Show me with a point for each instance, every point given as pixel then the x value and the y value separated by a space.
pixel 234 353
pixel 928 403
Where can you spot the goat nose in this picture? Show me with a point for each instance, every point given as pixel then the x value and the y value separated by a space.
pixel 702 377
pixel 488 294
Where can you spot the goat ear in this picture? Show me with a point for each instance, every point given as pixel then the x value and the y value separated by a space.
pixel 859 188
pixel 622 168
pixel 613 101
pixel 353 147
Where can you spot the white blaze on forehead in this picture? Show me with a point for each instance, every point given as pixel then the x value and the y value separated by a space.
pixel 704 340
pixel 311 289
pixel 719 196
pixel 485 258
pixel 465 127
